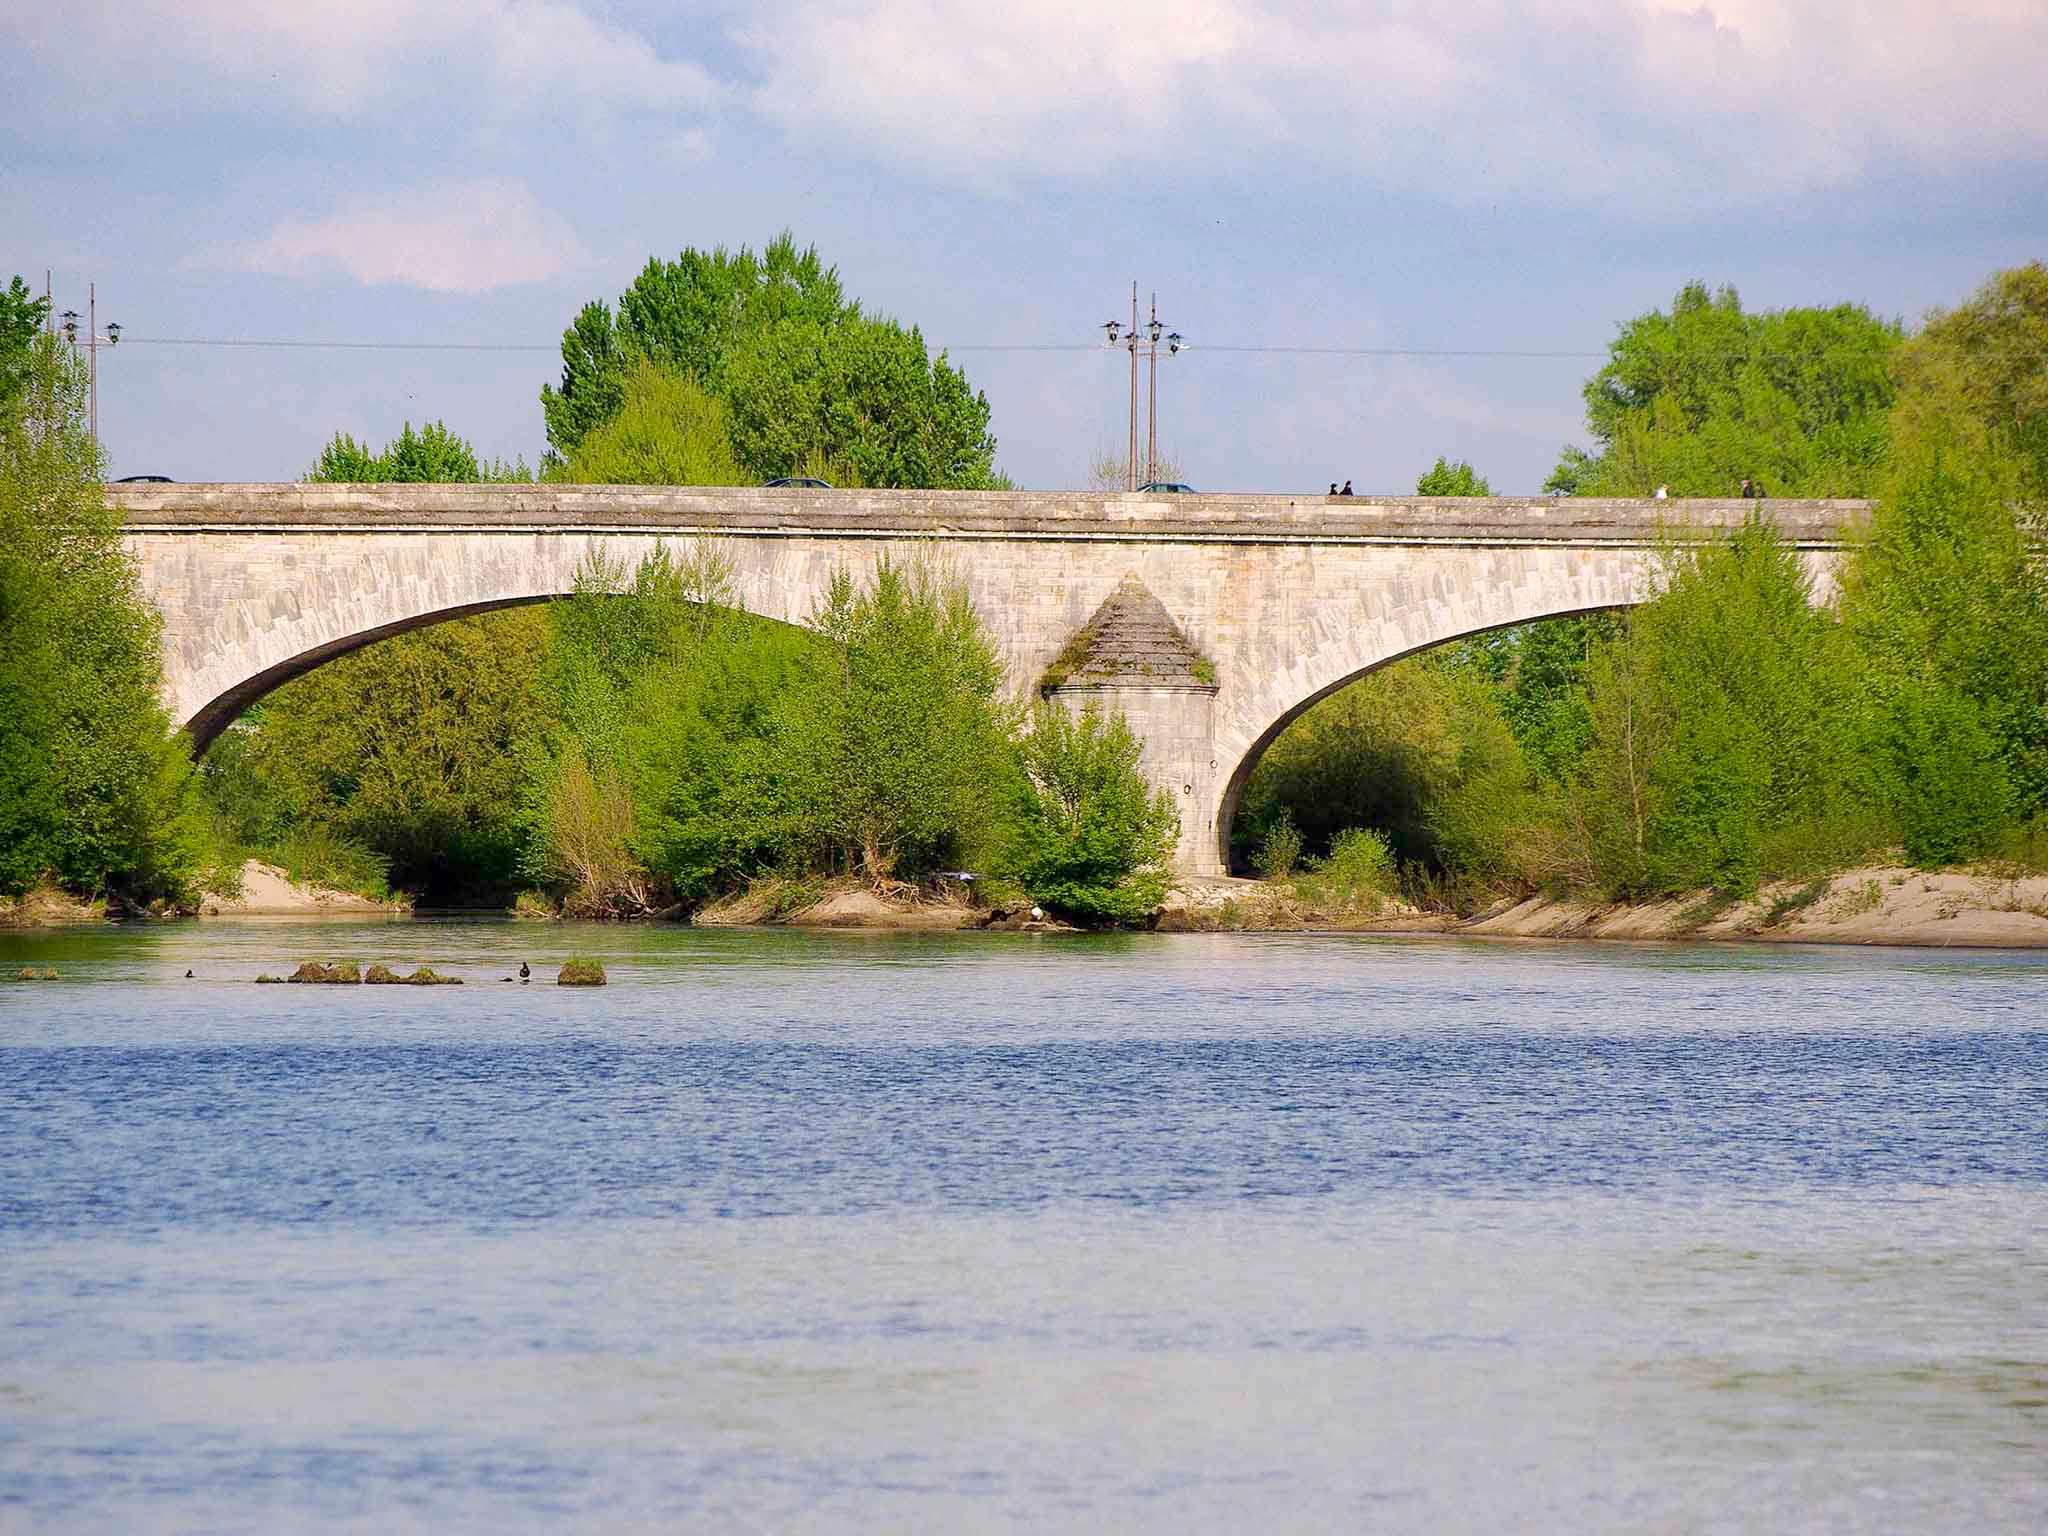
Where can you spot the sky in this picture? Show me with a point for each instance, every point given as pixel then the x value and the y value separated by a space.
pixel 1331 200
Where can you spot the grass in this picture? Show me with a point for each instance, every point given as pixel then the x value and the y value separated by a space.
pixel 581 971
pixel 1701 913
pixel 1784 906
pixel 1865 896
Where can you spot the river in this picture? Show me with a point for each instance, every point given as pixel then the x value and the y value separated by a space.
pixel 831 1232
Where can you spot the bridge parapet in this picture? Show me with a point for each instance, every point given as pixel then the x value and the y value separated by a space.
pixel 1006 515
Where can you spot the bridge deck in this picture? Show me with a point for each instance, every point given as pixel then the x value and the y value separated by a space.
pixel 1009 515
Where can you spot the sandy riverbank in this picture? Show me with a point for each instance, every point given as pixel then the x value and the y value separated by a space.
pixel 1878 905
pixel 268 891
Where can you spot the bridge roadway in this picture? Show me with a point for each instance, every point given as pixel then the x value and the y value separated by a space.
pixel 1285 597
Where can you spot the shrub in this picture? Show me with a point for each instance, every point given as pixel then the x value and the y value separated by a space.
pixel 1359 874
pixel 1092 838
pixel 897 748
pixel 581 971
pixel 1279 850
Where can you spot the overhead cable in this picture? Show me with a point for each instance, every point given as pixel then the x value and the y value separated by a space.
pixel 526 346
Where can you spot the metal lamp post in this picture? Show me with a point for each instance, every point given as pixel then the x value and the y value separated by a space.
pixel 93 337
pixel 1146 341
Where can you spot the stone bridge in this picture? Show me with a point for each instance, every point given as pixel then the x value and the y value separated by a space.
pixel 1211 621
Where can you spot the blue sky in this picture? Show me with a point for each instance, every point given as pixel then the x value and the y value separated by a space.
pixel 1435 176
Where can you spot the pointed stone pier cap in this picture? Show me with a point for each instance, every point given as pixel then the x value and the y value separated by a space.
pixel 1130 642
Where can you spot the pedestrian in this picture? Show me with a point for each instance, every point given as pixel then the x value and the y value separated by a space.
pixel 1663 492
pixel 1347 489
pixel 1333 487
pixel 1748 490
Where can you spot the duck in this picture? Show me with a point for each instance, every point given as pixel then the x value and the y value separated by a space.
pixel 525 971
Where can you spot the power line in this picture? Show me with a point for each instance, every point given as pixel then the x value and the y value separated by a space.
pixel 524 346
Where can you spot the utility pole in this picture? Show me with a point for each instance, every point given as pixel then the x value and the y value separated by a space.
pixel 93 337
pixel 1133 341
pixel 1131 463
pixel 1152 402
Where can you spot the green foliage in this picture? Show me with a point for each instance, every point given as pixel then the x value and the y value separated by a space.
pixel 1357 876
pixel 1987 360
pixel 1279 850
pixel 407 748
pixel 901 744
pixel 1948 617
pixel 1092 839
pixel 1452 479
pixel 432 455
pixel 95 788
pixel 667 431
pixel 1717 721
pixel 1708 396
pixel 809 381
pixel 21 320
pixel 397 763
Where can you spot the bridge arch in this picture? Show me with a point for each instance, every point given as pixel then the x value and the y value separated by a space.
pixel 1546 585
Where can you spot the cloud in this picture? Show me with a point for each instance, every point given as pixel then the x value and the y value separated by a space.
pixel 341 58
pixel 1649 104
pixel 448 237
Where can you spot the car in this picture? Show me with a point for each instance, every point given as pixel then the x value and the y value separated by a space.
pixel 1167 487
pixel 145 480
pixel 798 482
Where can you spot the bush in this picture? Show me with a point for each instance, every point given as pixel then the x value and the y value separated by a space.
pixel 1358 875
pixel 1091 838
pixel 1279 849
pixel 896 750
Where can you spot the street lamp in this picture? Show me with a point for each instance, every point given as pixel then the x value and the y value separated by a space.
pixel 1146 341
pixel 93 337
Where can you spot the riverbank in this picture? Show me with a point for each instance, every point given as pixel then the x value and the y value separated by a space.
pixel 848 902
pixel 1882 904
pixel 268 891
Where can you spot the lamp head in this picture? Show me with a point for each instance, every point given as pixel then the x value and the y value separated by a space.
pixel 70 319
pixel 1155 328
pixel 1110 328
pixel 113 332
pixel 1174 342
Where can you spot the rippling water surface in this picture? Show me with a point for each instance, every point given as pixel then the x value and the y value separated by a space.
pixel 831 1232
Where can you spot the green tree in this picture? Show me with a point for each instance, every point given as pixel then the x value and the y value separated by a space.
pixel 407 747
pixel 1946 612
pixel 432 455
pixel 21 319
pixel 666 700
pixel 898 750
pixel 1718 752
pixel 95 787
pixel 1987 359
pixel 1092 838
pixel 808 379
pixel 1709 395
pixel 1447 478
pixel 668 431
